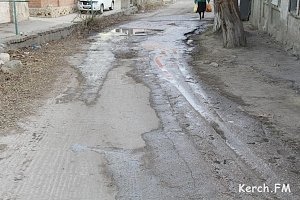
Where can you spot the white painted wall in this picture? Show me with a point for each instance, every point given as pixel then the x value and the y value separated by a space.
pixel 277 21
pixel 22 12
pixel 4 12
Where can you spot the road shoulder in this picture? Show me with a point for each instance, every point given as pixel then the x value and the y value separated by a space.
pixel 263 82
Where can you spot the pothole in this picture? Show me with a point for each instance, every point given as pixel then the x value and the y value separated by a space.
pixel 132 32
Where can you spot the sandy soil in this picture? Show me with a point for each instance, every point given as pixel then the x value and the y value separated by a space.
pixel 264 81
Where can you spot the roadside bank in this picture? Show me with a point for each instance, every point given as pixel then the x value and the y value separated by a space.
pixel 262 82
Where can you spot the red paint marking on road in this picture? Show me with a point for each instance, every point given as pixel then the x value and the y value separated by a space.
pixel 158 63
pixel 161 66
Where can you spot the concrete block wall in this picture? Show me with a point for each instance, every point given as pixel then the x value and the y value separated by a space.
pixel 278 22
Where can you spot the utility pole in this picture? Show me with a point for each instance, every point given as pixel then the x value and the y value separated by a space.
pixel 15 17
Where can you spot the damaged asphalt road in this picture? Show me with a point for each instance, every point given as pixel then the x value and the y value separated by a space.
pixel 134 122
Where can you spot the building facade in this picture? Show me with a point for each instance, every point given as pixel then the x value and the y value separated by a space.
pixel 6 11
pixel 51 8
pixel 280 18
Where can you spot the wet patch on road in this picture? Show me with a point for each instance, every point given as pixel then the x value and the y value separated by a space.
pixel 178 97
pixel 135 32
pixel 100 57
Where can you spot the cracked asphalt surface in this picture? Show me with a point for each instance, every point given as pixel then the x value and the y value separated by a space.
pixel 134 123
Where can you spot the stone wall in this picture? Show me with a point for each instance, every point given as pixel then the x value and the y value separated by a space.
pixel 51 11
pixel 278 21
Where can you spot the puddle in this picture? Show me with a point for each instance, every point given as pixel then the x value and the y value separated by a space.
pixel 131 32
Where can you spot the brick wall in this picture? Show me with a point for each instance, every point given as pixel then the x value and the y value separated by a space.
pixel 52 3
pixel 67 2
pixel 45 3
pixel 52 8
pixel 34 3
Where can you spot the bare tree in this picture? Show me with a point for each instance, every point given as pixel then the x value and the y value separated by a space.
pixel 227 18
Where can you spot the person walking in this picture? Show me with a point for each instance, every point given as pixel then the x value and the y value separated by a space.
pixel 201 7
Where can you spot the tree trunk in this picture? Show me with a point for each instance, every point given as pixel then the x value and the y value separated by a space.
pixel 227 17
pixel 217 19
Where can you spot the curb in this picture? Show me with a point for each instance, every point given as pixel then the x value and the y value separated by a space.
pixel 55 33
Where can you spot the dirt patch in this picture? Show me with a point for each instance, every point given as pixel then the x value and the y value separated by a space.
pixel 262 77
pixel 40 70
pixel 22 93
pixel 263 82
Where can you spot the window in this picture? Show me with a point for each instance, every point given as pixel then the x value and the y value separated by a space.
pixel 294 7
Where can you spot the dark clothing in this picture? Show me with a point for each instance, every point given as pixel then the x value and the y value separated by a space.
pixel 201 7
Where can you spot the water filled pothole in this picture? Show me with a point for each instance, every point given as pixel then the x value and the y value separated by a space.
pixel 132 32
